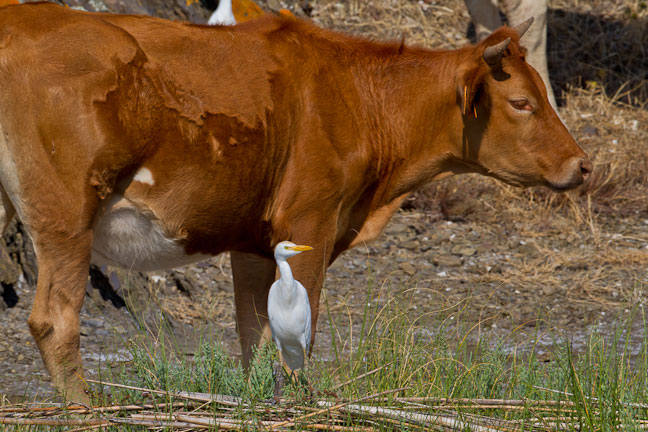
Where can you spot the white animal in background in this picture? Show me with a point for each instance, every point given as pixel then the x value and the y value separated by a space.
pixel 486 17
pixel 289 309
pixel 223 15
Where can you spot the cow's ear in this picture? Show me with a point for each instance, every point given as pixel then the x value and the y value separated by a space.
pixel 469 85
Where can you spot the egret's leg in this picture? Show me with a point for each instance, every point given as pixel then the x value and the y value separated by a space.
pixel 306 359
pixel 279 377
pixel 253 275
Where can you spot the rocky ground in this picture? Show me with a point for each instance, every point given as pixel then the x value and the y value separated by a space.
pixel 499 275
pixel 511 263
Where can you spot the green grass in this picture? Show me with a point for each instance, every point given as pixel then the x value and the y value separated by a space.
pixel 397 357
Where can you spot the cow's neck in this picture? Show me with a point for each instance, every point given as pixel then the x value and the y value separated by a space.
pixel 421 137
pixel 416 138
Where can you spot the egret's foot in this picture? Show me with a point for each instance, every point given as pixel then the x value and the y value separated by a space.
pixel 272 401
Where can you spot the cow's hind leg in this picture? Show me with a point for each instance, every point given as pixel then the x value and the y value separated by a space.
pixel 253 275
pixel 63 264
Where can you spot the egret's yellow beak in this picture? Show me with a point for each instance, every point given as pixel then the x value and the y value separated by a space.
pixel 300 248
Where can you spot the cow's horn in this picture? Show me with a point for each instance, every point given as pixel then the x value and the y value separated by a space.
pixel 493 54
pixel 523 26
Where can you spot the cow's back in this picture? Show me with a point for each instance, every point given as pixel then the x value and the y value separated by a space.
pixel 95 97
pixel 218 70
pixel 57 68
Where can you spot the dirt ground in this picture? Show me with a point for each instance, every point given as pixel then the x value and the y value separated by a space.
pixel 511 262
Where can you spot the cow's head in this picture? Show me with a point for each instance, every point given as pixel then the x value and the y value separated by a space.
pixel 510 130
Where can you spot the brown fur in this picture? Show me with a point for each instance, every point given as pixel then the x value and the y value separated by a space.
pixel 271 130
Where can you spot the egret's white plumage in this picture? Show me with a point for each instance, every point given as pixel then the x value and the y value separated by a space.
pixel 289 309
pixel 223 14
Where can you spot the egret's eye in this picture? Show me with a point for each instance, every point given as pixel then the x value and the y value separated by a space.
pixel 521 104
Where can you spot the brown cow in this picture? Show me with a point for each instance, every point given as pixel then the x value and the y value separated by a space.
pixel 145 143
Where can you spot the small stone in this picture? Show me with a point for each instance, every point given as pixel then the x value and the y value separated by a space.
pixel 439 237
pixel 548 290
pixel 274 5
pixel 412 245
pixel 528 249
pixel 397 228
pixel 448 261
pixel 408 268
pixel 463 249
pixel 590 130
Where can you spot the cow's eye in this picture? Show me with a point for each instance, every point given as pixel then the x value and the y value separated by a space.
pixel 521 104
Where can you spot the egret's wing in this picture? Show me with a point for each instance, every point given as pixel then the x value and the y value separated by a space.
pixel 307 315
pixel 273 310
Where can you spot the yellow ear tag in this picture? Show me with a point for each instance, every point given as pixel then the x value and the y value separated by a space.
pixel 465 99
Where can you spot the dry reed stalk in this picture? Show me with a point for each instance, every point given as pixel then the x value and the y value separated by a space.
pixel 332 407
pixel 479 407
pixel 200 397
pixel 53 422
pixel 415 418
pixel 209 422
pixel 155 423
pixel 85 428
pixel 491 402
pixel 337 428
pixel 50 411
pixel 564 393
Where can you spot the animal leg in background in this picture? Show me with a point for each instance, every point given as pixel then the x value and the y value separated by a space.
pixel 485 17
pixel 253 275
pixel 535 39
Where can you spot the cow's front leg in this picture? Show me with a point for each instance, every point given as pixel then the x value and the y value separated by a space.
pixel 63 263
pixel 253 275
pixel 309 268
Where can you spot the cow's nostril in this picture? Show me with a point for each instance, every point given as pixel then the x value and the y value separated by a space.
pixel 586 168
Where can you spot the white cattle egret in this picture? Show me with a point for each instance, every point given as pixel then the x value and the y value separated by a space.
pixel 289 309
pixel 223 14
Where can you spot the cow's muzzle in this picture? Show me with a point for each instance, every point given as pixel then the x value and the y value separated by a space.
pixel 573 172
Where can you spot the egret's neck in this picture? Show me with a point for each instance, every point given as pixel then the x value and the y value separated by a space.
pixel 287 280
pixel 224 6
